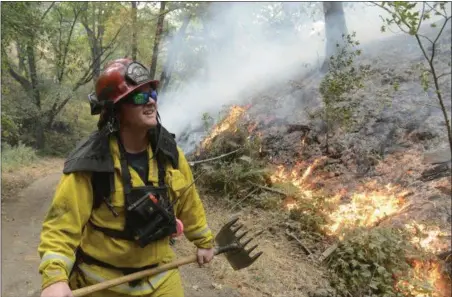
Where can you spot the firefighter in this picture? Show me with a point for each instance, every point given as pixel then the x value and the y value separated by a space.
pixel 121 195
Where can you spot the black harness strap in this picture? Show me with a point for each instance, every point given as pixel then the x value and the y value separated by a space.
pixel 125 174
pixel 124 235
pixel 103 184
pixel 161 172
pixel 83 257
pixel 127 186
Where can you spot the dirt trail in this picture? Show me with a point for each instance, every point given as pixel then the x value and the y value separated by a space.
pixel 21 224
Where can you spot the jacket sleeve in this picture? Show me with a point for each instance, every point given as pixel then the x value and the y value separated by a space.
pixel 190 210
pixel 62 228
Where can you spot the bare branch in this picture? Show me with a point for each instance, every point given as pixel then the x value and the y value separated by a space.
pixel 442 28
pixel 444 74
pixel 436 39
pixel 303 246
pixel 421 17
pixel 66 46
pixel 47 11
pixel 88 75
pixel 269 189
pixel 191 163
pixel 425 37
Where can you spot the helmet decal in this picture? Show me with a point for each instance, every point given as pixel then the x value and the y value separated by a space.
pixel 137 73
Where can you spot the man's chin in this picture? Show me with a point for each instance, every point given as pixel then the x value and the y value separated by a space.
pixel 151 123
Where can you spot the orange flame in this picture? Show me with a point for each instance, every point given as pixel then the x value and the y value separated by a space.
pixel 428 238
pixel 228 123
pixel 290 203
pixel 294 176
pixel 366 208
pixel 252 127
pixel 425 280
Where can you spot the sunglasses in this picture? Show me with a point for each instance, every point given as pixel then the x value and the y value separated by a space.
pixel 141 98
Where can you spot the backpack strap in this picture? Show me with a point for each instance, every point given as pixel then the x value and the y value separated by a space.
pixel 103 187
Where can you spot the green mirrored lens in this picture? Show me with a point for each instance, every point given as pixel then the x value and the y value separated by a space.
pixel 139 99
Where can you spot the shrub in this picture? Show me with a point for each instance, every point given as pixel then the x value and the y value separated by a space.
pixel 370 262
pixel 10 130
pixel 15 156
pixel 231 176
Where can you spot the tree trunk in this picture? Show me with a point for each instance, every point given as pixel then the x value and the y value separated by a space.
pixel 335 28
pixel 39 127
pixel 21 57
pixel 172 55
pixel 95 40
pixel 134 30
pixel 157 38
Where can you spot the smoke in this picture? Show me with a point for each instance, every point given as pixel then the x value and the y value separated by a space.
pixel 251 46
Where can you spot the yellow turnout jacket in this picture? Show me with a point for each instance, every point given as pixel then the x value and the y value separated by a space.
pixel 65 227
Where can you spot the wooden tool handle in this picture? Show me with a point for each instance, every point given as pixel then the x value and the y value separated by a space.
pixel 148 272
pixel 133 276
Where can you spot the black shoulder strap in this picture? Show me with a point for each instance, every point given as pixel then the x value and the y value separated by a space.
pixel 125 173
pixel 103 185
pixel 161 171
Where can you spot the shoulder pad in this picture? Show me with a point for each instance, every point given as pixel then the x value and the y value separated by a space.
pixel 91 154
pixel 168 146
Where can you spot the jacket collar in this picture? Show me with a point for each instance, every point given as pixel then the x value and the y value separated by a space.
pixel 115 154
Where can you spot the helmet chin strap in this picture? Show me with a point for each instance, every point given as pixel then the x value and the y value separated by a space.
pixel 157 131
pixel 159 119
pixel 112 124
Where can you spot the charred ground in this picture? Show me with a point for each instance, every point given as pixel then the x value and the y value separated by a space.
pixel 388 172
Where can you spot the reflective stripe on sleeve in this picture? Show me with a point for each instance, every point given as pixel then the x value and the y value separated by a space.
pixel 197 233
pixel 50 256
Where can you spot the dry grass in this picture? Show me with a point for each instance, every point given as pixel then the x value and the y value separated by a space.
pixel 281 271
pixel 21 177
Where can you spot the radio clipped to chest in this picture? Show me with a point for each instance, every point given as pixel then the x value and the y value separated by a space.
pixel 149 214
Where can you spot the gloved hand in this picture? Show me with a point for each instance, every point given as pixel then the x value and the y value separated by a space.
pixel 58 289
pixel 205 255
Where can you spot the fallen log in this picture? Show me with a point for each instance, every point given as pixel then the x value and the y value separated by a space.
pixel 292 128
pixel 328 252
pixel 191 163
pixel 305 248
pixel 439 171
pixel 446 256
pixel 243 199
pixel 268 189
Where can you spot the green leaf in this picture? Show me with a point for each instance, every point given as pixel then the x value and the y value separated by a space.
pixel 373 285
pixel 366 274
pixel 381 270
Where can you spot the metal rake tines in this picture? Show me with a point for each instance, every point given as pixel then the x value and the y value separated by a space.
pixel 240 257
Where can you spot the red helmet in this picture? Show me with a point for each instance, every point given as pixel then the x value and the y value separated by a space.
pixel 121 77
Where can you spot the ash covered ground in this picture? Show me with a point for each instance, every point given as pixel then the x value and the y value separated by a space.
pixel 397 138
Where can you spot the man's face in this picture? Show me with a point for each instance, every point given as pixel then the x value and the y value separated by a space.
pixel 142 117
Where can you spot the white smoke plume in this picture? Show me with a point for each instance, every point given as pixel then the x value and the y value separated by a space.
pixel 252 56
